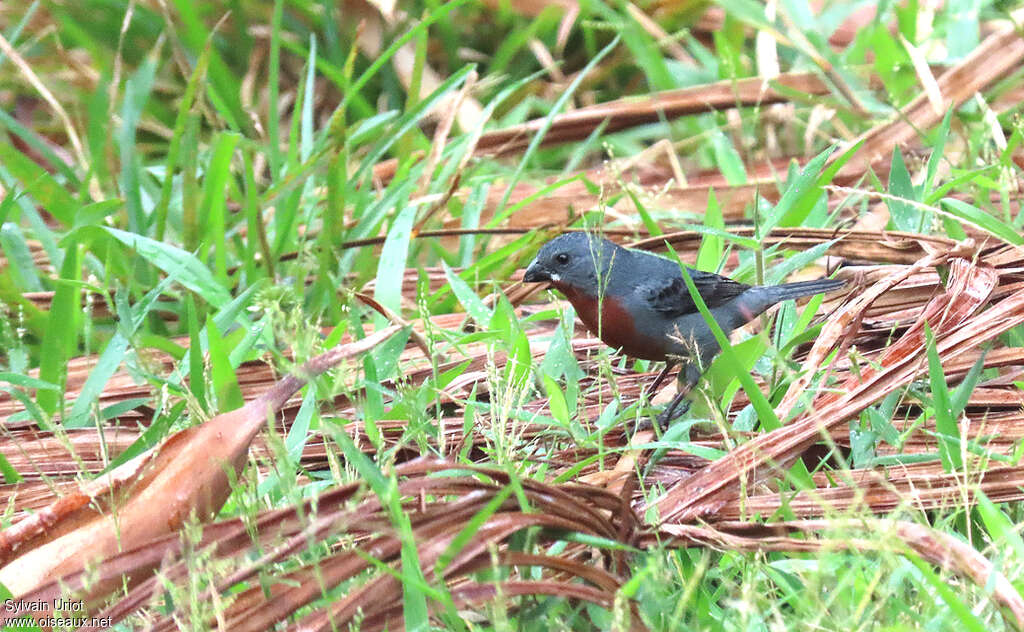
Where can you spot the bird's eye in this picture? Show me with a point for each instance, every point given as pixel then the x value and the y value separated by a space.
pixel 562 258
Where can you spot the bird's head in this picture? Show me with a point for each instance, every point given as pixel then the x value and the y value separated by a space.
pixel 572 260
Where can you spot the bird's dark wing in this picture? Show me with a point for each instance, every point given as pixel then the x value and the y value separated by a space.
pixel 669 295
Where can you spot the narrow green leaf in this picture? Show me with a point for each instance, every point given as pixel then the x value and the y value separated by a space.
pixel 799 261
pixel 802 191
pixel 647 54
pixel 214 204
pixel 63 328
pixel 8 472
pixel 273 88
pixel 712 246
pixel 196 368
pixel 25 381
pixel 903 216
pixel 938 153
pixel 765 412
pixel 298 433
pixel 945 422
pixel 21 267
pixel 222 373
pixel 556 400
pixel 39 184
pixel 963 392
pixel 727 159
pixel 171 164
pixel 308 102
pixel 105 368
pixel 176 263
pixel 136 93
pixel 32 409
pixel 475 307
pixel 393 257
pixel 980 219
pixel 999 525
pixel 645 216
pixel 41 146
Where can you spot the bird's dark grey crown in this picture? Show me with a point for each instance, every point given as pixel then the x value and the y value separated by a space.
pixel 578 245
pixel 574 260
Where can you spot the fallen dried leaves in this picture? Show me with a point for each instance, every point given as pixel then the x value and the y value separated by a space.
pixel 151 495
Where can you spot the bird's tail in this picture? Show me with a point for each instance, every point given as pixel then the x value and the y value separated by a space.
pixel 756 300
pixel 801 289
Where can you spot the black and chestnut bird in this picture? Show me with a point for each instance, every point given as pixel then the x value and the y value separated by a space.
pixel 638 302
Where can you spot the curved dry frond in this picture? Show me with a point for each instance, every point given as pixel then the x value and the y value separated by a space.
pixel 441 501
pixel 152 494
pixel 958 327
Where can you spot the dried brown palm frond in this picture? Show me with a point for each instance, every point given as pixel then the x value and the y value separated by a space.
pixel 152 494
pixel 440 501
pixel 881 490
pixel 958 327
pixel 632 111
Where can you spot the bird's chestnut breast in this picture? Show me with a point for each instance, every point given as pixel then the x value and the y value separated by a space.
pixel 612 323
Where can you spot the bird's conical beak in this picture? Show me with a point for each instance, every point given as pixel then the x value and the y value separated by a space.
pixel 536 273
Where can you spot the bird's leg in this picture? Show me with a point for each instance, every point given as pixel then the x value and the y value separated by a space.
pixel 653 388
pixel 650 390
pixel 687 379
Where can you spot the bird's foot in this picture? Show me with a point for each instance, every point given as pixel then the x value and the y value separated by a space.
pixel 642 425
pixel 675 409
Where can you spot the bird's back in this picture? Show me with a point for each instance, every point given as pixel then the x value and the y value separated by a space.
pixel 656 283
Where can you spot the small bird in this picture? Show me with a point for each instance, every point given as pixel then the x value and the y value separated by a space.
pixel 638 302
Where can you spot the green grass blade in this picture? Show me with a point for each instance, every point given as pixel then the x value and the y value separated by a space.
pixel 176 263
pixel 502 211
pixel 39 184
pixel 106 366
pixel 63 329
pixel 945 422
pixel 985 221
pixel 765 412
pixel 222 372
pixel 214 204
pixel 393 257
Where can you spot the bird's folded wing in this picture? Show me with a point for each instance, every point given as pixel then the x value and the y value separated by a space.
pixel 669 295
